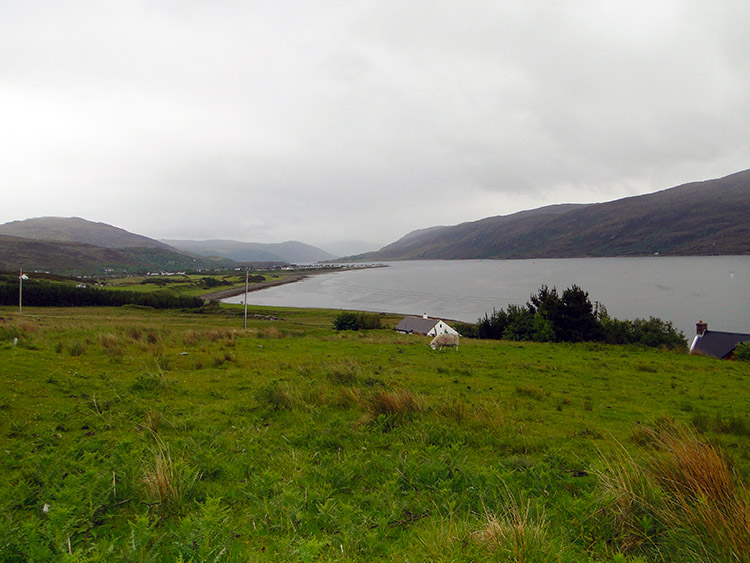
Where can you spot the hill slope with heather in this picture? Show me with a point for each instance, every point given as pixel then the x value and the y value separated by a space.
pixel 695 219
pixel 79 258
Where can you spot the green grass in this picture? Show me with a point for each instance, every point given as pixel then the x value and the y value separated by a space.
pixel 151 435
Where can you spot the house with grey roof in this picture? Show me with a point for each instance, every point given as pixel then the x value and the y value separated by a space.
pixel 424 325
pixel 717 344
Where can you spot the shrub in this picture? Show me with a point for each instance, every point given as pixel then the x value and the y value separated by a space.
pixel 571 317
pixel 742 352
pixel 346 320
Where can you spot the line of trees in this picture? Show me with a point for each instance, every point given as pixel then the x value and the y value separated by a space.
pixel 571 317
pixel 39 293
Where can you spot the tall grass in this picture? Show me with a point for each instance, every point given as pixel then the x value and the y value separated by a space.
pixel 681 498
pixel 167 481
pixel 517 534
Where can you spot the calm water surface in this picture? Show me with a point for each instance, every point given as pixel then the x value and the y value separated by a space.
pixel 684 290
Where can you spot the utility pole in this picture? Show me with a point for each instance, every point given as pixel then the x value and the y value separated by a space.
pixel 246 281
pixel 21 277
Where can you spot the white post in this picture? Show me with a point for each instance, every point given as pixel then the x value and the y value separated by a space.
pixel 20 292
pixel 246 281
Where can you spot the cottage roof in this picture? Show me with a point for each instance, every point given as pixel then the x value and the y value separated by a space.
pixel 717 343
pixel 417 324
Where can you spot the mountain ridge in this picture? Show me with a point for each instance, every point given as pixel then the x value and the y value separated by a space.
pixel 698 218
pixel 76 229
pixel 79 258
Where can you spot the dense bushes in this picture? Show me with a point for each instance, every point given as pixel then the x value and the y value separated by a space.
pixel 742 352
pixel 346 320
pixel 39 293
pixel 571 317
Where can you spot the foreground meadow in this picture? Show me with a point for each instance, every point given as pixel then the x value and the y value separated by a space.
pixel 139 435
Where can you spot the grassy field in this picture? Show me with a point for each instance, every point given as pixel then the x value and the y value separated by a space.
pixel 140 435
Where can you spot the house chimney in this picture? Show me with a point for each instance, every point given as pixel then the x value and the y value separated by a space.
pixel 424 316
pixel 700 328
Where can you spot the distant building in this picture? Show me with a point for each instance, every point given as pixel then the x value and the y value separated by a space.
pixel 424 325
pixel 715 343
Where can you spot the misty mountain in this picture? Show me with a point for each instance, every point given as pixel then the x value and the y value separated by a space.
pixel 75 229
pixel 349 247
pixel 292 252
pixel 699 218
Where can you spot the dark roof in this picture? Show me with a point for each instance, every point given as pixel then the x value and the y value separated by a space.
pixel 419 325
pixel 717 344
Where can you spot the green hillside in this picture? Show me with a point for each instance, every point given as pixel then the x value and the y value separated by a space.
pixel 142 435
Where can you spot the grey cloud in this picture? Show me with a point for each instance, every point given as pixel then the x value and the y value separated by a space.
pixel 332 120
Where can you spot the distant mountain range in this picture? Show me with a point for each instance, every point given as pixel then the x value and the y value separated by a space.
pixel 72 245
pixel 291 252
pixel 700 218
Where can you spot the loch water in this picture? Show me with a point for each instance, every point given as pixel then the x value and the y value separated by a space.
pixel 683 290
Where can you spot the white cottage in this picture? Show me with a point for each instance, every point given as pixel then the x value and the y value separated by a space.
pixel 424 325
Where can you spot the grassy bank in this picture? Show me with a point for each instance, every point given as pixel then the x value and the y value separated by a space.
pixel 146 436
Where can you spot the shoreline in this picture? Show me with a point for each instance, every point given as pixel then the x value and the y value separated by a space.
pixel 292 278
pixel 234 291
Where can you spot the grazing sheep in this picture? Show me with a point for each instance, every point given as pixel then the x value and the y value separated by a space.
pixel 442 340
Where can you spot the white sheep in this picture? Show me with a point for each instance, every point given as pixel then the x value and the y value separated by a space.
pixel 442 340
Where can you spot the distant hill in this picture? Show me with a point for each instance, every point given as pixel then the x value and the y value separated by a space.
pixel 348 247
pixel 75 229
pixel 79 258
pixel 699 218
pixel 292 252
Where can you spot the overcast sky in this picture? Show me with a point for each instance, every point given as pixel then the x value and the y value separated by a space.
pixel 360 119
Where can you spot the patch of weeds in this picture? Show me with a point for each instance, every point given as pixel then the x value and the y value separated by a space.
pixel 681 498
pixel 167 480
pixel 517 534
pixel 18 427
pixel 390 408
pixel 150 380
pixel 346 372
pixel 735 425
pixel 8 334
pixel 76 348
pixel 135 333
pixel 686 406
pixel 270 332
pixel 153 420
pixel 276 397
pixel 532 392
pixel 454 410
pixel 206 534
pixel 348 397
pixel 221 360
pixel 588 433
